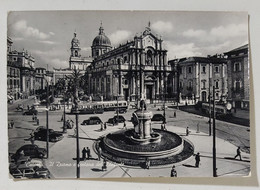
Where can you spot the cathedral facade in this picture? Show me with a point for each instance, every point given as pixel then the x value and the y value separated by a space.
pixel 135 70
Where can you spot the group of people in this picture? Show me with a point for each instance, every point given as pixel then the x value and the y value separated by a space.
pixel 103 126
pixel 86 153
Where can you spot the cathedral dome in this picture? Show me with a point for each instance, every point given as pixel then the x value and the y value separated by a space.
pixel 101 39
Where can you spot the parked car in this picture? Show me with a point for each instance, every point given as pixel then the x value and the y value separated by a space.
pixel 30 112
pixel 19 107
pixel 158 117
pixel 92 121
pixel 28 172
pixel 121 110
pixel 31 150
pixel 27 161
pixel 115 119
pixel 41 134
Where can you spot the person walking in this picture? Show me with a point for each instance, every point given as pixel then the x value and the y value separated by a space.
pixel 197 159
pixel 105 125
pixel 124 126
pixel 88 153
pixel 187 131
pixel 147 163
pixel 174 114
pixel 84 153
pixel 12 124
pixel 238 153
pixel 173 171
pixel 101 126
pixel 32 138
pixel 99 153
pixel 104 167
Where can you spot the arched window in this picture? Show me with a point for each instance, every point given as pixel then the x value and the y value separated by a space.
pixel 237 66
pixel 217 84
pixel 149 57
pixel 76 53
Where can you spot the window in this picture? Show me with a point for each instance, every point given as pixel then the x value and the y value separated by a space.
pixel 181 85
pixel 217 96
pixel 237 85
pixel 97 52
pixel 125 59
pixel 149 57
pixel 216 84
pixel 190 84
pixel 217 69
pixel 126 82
pixel 190 69
pixel 237 66
pixel 118 61
pixel 76 53
pixel 203 84
pixel 203 69
pixel 180 70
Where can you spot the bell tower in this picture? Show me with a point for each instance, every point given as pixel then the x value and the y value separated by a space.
pixel 75 46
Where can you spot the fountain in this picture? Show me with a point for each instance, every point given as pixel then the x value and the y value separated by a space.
pixel 135 146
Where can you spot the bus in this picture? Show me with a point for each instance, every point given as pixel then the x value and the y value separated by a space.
pixel 100 107
pixel 221 110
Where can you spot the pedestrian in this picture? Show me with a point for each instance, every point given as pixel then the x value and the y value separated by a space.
pixel 88 153
pixel 238 153
pixel 198 127
pixel 37 121
pixel 104 167
pixel 12 124
pixel 174 114
pixel 147 163
pixel 99 153
pixel 105 126
pixel 124 127
pixel 61 118
pixel 162 128
pixel 173 171
pixel 33 117
pixel 84 152
pixel 187 131
pixel 101 126
pixel 32 137
pixel 28 107
pixel 197 159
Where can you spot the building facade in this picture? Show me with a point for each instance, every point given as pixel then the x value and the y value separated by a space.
pixel 13 74
pixel 20 72
pixel 238 77
pixel 135 70
pixel 194 78
pixel 76 61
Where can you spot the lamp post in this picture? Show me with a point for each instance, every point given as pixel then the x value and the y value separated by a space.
pixel 214 136
pixel 47 120
pixel 64 112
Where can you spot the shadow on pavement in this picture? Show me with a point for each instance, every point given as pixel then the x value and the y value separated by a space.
pixel 234 171
pixel 72 136
pixel 96 170
pixel 189 166
pixel 232 158
pixel 82 159
pixel 23 128
pixel 197 134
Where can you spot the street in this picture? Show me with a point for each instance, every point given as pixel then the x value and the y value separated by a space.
pixel 62 155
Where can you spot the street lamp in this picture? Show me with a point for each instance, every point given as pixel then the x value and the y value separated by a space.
pixel 214 136
pixel 47 119
pixel 64 113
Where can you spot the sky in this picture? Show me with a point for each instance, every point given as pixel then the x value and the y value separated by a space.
pixel 47 35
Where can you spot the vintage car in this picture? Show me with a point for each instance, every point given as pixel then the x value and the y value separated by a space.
pixel 115 119
pixel 41 134
pixel 92 121
pixel 158 117
pixel 30 150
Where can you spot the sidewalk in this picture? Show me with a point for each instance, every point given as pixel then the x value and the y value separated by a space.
pixel 62 162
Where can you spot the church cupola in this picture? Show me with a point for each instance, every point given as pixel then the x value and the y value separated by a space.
pixel 75 48
pixel 101 43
